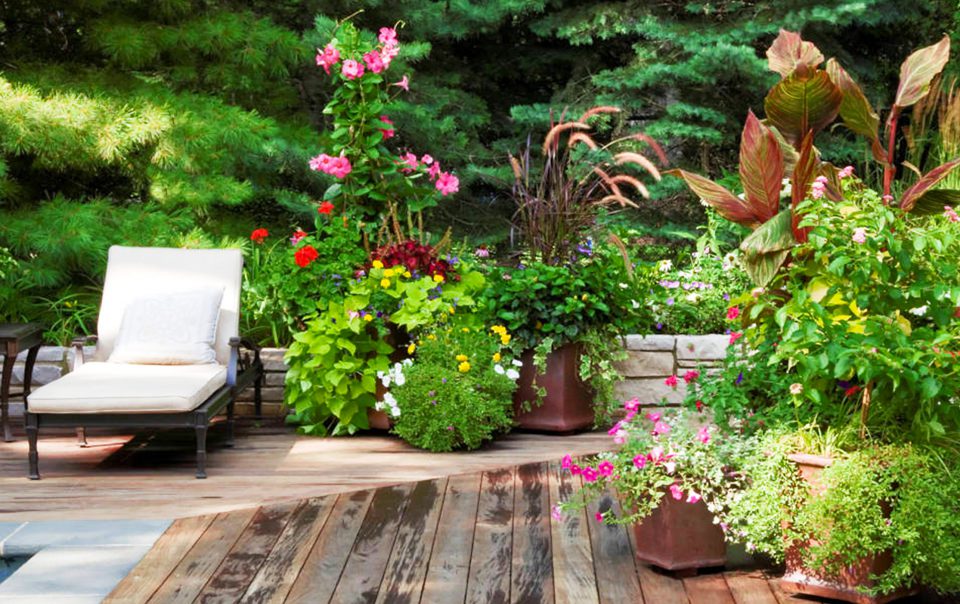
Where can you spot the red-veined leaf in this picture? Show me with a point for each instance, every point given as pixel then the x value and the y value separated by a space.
pixel 765 249
pixel 934 201
pixel 918 71
pixel 803 174
pixel 806 101
pixel 761 168
pixel 789 154
pixel 789 51
pixel 912 195
pixel 834 190
pixel 723 201
pixel 855 110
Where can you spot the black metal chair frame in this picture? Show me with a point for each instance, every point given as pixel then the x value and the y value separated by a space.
pixel 242 371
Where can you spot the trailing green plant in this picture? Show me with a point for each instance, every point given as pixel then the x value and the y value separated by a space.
pixel 334 361
pixel 660 456
pixel 807 99
pixel 456 392
pixel 9 276
pixel 895 499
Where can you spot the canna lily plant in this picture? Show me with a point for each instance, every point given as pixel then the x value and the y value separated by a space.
pixel 811 96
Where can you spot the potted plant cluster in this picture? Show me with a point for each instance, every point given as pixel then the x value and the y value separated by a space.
pixel 676 477
pixel 572 288
pixel 856 305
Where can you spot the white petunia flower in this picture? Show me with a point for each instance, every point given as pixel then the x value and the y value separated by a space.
pixel 513 374
pixel 498 368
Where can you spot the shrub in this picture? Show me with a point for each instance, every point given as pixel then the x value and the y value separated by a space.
pixel 457 392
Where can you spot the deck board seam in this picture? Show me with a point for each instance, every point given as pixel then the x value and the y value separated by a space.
pixel 336 500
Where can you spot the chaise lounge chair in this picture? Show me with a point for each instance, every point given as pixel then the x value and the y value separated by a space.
pixel 168 353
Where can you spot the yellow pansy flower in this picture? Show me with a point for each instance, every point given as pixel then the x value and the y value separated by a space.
pixel 496 357
pixel 505 339
pixel 388 273
pixel 368 318
pixel 438 278
pixel 377 264
pixel 407 274
pixel 464 367
pixel 411 348
pixel 385 283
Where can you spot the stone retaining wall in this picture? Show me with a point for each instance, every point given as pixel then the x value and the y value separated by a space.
pixel 651 360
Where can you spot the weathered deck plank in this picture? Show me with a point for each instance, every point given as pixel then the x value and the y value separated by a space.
pixel 453 542
pixel 749 588
pixel 708 588
pixel 531 576
pixel 613 557
pixel 490 562
pixel 574 579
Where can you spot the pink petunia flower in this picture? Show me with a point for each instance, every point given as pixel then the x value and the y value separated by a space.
pixel 575 469
pixel 351 69
pixel 691 376
pixel 426 160
pixel 605 468
pixel 632 405
pixel 670 466
pixel 328 57
pixel 620 437
pixel 567 462
pixel 693 496
pixel 654 417
pixel 676 491
pixel 599 516
pixel 703 435
pixel 556 513
pixel 639 461
pixel 661 428
pixel 615 428
pixel 589 474
pixel 447 184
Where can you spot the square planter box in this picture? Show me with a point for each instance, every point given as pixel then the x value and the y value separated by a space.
pixel 568 403
pixel 680 536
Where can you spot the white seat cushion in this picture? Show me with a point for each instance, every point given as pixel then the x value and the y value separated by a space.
pixel 119 388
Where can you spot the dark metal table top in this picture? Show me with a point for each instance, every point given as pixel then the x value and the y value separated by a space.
pixel 20 331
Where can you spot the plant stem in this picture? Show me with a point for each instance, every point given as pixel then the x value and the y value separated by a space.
pixel 889 170
pixel 865 409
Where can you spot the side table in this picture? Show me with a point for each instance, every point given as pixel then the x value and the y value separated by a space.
pixel 14 338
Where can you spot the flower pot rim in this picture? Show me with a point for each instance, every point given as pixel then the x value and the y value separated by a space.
pixel 807 459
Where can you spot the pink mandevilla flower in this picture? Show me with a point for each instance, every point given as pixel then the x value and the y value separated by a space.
pixel 388 54
pixel 410 160
pixel 676 491
pixel 403 83
pixel 671 381
pixel 734 337
pixel 351 69
pixel 448 183
pixel 387 133
pixel 703 435
pixel 434 170
pixel 589 474
pixel 691 376
pixel 859 235
pixel 639 461
pixel 387 36
pixel 426 160
pixel 373 61
pixel 605 468
pixel 693 496
pixel 328 57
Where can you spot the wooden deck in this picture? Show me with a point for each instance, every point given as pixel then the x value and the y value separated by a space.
pixel 150 475
pixel 479 538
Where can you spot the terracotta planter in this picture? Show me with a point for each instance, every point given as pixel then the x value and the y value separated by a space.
pixel 844 585
pixel 680 536
pixel 568 404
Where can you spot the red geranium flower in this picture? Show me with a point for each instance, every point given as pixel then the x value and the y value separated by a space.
pixel 325 208
pixel 305 256
pixel 258 235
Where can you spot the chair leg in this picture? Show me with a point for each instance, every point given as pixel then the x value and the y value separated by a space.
pixel 82 438
pixel 257 397
pixel 33 430
pixel 201 451
pixel 230 424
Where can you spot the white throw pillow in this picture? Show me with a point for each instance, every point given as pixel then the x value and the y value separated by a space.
pixel 170 328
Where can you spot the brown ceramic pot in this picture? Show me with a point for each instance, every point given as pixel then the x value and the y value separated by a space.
pixel 844 585
pixel 680 536
pixel 568 403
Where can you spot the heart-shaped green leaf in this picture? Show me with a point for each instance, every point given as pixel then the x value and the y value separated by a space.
pixel 918 71
pixel 805 101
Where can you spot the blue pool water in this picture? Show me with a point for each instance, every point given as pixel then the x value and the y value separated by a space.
pixel 8 566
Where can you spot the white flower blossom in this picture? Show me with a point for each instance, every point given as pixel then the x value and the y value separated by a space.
pixel 919 311
pixel 513 374
pixel 517 363
pixel 664 265
pixel 498 369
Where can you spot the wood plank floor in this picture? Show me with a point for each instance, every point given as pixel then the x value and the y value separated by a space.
pixel 485 537
pixel 150 475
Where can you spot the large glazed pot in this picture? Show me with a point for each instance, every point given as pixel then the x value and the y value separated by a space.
pixel 680 536
pixel 568 403
pixel 845 585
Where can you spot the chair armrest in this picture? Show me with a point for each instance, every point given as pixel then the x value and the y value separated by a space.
pixel 78 343
pixel 236 343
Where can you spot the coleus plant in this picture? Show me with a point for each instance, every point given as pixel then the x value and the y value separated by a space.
pixel 810 97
